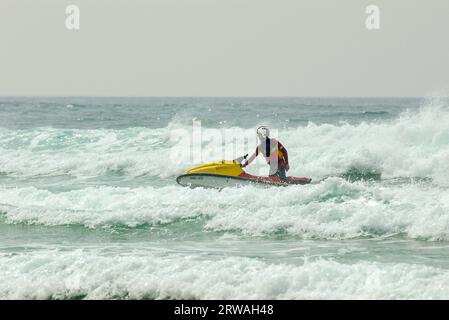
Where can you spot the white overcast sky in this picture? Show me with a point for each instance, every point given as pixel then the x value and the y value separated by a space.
pixel 224 48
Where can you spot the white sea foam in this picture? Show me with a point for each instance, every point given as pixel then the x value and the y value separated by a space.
pixel 415 145
pixel 95 275
pixel 332 209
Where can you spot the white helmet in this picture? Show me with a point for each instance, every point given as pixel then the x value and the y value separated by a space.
pixel 263 132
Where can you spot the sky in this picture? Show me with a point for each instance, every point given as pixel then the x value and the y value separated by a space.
pixel 224 48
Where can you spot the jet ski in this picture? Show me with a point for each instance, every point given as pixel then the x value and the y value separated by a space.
pixel 225 173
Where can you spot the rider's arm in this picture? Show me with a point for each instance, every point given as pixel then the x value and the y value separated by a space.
pixel 251 159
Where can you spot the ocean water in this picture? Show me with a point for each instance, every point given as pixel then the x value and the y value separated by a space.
pixel 90 209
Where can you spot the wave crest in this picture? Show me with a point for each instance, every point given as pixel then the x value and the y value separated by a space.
pixel 414 145
pixel 331 209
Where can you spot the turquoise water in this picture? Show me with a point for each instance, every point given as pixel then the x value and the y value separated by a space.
pixel 89 206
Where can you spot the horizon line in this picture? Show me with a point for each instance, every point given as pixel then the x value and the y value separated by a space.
pixel 218 96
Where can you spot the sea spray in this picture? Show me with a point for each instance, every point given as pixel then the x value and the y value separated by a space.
pixel 90 208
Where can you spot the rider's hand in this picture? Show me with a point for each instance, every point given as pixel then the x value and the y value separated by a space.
pixel 287 167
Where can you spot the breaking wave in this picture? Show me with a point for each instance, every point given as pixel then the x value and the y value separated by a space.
pixel 332 209
pixel 413 145
pixel 84 274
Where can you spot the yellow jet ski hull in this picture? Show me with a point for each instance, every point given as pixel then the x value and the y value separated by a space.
pixel 223 168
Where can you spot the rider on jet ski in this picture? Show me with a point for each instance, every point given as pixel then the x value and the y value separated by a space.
pixel 274 152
